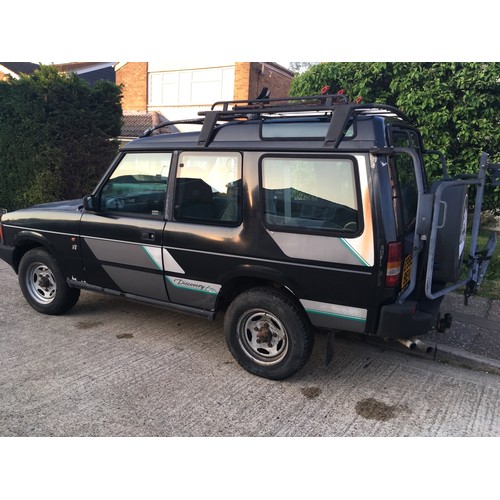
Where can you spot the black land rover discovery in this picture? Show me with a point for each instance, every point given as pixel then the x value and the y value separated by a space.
pixel 288 215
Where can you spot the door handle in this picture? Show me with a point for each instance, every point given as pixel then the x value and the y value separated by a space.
pixel 148 235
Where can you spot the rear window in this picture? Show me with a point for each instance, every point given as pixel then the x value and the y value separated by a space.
pixel 405 189
pixel 310 194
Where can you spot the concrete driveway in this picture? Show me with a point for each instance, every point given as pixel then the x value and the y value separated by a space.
pixel 116 368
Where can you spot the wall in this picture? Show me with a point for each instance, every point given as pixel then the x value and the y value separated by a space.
pixel 134 78
pixel 251 77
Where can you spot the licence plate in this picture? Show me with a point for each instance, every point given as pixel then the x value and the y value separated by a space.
pixel 405 279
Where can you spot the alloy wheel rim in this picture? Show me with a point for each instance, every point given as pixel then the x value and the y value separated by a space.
pixel 263 337
pixel 41 283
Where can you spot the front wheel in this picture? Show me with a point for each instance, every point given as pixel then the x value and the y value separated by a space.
pixel 43 284
pixel 267 334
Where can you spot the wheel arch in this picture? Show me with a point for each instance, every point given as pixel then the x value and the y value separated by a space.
pixel 26 241
pixel 240 280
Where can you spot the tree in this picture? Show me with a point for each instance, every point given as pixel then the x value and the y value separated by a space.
pixel 300 67
pixel 57 136
pixel 456 106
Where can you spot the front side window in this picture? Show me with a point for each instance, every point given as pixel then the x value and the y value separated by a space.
pixel 138 185
pixel 208 188
pixel 316 194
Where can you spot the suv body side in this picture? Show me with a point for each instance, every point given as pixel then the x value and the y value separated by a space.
pixel 284 221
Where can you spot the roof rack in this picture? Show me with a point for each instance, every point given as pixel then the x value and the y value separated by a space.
pixel 341 113
pixel 311 103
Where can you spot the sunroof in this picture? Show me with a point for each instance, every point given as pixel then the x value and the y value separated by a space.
pixel 298 130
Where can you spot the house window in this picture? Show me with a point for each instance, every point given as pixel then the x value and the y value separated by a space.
pixel 191 87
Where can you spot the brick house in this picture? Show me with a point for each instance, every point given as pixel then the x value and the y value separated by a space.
pixel 14 69
pixel 91 72
pixel 180 91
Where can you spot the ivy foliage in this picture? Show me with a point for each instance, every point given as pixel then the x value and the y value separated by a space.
pixel 456 106
pixel 57 136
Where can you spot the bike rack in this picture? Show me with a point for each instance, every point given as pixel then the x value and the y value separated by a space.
pixel 478 261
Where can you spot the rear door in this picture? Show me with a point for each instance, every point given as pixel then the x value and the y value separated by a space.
pixel 122 237
pixel 405 195
pixel 205 231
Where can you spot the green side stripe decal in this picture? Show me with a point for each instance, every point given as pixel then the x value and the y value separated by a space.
pixel 354 252
pixel 152 258
pixel 338 311
pixel 336 315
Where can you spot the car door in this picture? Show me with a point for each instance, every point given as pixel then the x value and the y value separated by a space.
pixel 205 232
pixel 122 234
pixel 405 194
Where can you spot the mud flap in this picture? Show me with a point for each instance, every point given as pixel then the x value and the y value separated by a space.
pixel 330 347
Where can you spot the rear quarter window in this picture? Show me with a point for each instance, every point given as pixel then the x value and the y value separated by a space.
pixel 310 194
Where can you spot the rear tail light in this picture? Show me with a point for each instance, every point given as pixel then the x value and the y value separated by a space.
pixel 394 256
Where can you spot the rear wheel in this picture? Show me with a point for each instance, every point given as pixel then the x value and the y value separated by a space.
pixel 43 284
pixel 267 333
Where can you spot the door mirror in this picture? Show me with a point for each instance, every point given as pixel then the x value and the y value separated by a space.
pixel 90 203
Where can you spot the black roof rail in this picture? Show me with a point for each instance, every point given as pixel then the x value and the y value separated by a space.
pixel 166 123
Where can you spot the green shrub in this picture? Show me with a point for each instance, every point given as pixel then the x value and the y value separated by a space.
pixel 456 106
pixel 57 136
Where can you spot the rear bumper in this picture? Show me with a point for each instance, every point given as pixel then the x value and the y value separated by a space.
pixel 406 320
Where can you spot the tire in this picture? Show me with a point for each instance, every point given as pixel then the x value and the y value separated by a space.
pixel 43 285
pixel 267 334
pixel 450 239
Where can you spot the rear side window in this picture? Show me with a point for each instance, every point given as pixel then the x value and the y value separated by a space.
pixel 208 188
pixel 317 194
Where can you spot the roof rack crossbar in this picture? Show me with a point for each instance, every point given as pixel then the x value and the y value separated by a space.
pixel 209 123
pixel 341 116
